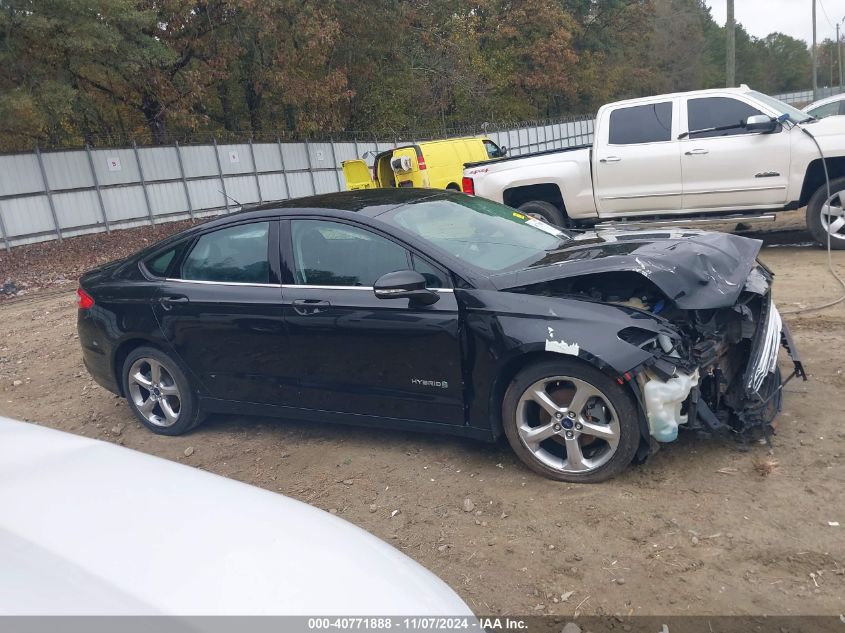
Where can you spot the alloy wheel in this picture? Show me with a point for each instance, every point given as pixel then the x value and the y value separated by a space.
pixel 568 424
pixel 154 392
pixel 833 216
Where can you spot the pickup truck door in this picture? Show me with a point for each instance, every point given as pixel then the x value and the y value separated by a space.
pixel 733 168
pixel 637 163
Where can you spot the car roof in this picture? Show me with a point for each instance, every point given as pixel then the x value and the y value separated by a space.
pixel 743 89
pixel 92 528
pixel 368 202
pixel 825 101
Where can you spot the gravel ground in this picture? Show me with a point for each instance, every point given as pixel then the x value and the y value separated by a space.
pixel 702 528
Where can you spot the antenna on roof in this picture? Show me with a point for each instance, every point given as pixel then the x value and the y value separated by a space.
pixel 230 197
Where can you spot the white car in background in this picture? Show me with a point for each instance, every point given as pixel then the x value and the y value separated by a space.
pixel 90 528
pixel 830 106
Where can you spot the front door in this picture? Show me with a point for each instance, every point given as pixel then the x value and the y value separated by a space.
pixel 221 313
pixel 355 353
pixel 731 168
pixel 637 161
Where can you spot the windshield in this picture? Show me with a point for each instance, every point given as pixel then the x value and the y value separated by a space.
pixel 795 115
pixel 484 234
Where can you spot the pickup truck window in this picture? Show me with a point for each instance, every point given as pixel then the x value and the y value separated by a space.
pixel 650 123
pixel 713 112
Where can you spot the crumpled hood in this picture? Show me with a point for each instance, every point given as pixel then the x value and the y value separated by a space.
pixel 695 269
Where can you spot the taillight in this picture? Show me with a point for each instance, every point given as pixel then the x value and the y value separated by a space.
pixel 468 186
pixel 420 162
pixel 85 301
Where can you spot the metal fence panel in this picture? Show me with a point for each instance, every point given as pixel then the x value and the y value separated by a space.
pixel 300 184
pixel 85 191
pixel 159 163
pixel 67 170
pixel 27 216
pixel 267 157
pixel 167 198
pixel 19 174
pixel 206 194
pixel 295 156
pixel 273 187
pixel 235 159
pixel 115 166
pixel 242 188
pixel 125 203
pixel 77 208
pixel 199 161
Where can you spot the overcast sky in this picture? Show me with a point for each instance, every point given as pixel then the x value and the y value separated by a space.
pixel 793 17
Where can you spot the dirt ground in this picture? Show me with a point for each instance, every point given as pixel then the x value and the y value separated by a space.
pixel 696 530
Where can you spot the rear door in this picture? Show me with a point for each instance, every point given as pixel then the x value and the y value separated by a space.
pixel 355 353
pixel 637 160
pixel 731 168
pixel 220 310
pixel 357 175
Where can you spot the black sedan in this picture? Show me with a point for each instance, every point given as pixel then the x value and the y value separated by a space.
pixel 442 312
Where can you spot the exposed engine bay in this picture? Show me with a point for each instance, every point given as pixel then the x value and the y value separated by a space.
pixel 718 372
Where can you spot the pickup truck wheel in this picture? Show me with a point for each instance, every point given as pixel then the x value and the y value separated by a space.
pixel 825 214
pixel 543 210
pixel 567 421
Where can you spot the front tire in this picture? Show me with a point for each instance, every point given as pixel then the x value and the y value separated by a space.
pixel 568 421
pixel 159 393
pixel 824 213
pixel 543 210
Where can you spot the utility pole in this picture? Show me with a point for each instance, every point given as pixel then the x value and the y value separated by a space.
pixel 815 58
pixel 730 47
pixel 839 55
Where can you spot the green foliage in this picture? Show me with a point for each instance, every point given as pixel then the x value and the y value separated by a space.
pixel 105 71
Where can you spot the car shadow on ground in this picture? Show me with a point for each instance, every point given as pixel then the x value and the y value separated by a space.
pixel 709 447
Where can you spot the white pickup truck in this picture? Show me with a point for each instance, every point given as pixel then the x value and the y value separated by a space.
pixel 731 153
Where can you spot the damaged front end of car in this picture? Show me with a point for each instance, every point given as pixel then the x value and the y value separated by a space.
pixel 715 365
pixel 721 373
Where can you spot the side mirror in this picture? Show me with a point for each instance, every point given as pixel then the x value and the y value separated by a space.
pixel 761 123
pixel 405 284
pixel 503 151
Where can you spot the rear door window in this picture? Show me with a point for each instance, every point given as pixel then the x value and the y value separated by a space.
pixel 650 123
pixel 237 254
pixel 718 112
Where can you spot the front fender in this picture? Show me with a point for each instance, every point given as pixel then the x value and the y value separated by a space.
pixel 504 329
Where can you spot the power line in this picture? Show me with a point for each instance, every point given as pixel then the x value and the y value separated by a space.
pixel 821 4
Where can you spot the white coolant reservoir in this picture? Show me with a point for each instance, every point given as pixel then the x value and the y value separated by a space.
pixel 663 400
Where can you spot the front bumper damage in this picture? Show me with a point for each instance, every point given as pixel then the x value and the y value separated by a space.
pixel 672 389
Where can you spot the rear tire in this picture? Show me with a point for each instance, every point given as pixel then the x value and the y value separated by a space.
pixel 543 210
pixel 820 211
pixel 159 393
pixel 596 434
pixel 453 187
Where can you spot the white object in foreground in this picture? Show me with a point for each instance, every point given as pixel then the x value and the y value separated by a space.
pixel 89 528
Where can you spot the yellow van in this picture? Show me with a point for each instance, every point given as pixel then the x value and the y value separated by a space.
pixel 433 164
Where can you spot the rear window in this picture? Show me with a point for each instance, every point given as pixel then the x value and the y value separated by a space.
pixel 236 254
pixel 650 123
pixel 158 264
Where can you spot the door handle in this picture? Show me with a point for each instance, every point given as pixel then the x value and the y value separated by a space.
pixel 610 159
pixel 306 307
pixel 697 152
pixel 167 302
